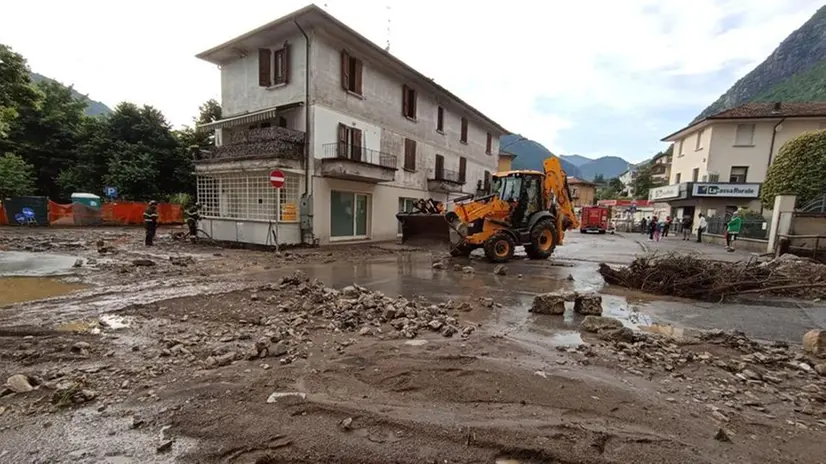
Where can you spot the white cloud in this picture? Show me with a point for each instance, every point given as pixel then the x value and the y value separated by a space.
pixel 618 55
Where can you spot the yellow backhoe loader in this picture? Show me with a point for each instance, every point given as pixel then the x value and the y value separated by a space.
pixel 529 208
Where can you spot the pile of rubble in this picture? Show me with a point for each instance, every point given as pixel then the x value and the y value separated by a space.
pixel 554 303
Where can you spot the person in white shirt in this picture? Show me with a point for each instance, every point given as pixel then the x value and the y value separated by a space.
pixel 701 227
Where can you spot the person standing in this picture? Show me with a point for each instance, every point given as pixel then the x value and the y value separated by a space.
pixel 150 221
pixel 686 224
pixel 666 226
pixel 643 226
pixel 701 227
pixel 193 216
pixel 733 230
pixel 652 227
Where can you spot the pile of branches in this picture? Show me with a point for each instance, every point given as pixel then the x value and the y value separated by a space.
pixel 689 276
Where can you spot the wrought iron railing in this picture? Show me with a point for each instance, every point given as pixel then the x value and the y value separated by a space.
pixel 359 155
pixel 446 175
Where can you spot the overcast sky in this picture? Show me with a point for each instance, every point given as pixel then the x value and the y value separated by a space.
pixel 602 77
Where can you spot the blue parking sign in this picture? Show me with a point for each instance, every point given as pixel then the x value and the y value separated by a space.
pixel 110 192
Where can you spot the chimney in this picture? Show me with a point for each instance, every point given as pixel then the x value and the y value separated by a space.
pixel 776 108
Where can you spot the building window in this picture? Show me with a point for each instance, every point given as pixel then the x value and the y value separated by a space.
pixel 745 135
pixel 713 177
pixel 282 121
pixel 439 173
pixel 699 143
pixel 463 136
pixel 351 73
pixel 440 119
pixel 408 102
pixel 410 154
pixel 406 205
pixel 738 174
pixel 695 174
pixel 349 143
pixel 348 214
pixel 462 169
pixel 486 182
pixel 677 178
pixel 489 144
pixel 273 66
pixel 679 149
pixel 249 196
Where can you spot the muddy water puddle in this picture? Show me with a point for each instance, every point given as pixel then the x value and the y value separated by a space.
pixel 20 289
pixel 28 264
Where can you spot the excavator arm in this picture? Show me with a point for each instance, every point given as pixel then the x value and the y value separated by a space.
pixel 556 192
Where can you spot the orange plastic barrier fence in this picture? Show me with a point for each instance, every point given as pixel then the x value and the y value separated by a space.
pixel 122 213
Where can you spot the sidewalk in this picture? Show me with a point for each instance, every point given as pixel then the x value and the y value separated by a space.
pixel 706 250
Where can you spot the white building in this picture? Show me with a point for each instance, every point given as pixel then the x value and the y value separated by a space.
pixel 358 134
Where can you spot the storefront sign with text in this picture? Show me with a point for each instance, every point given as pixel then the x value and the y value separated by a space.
pixel 726 190
pixel 665 192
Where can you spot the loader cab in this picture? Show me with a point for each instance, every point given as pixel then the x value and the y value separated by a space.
pixel 524 190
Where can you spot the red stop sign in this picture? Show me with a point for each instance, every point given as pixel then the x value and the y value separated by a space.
pixel 277 179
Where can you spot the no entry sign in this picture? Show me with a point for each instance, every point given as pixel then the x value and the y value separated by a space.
pixel 277 179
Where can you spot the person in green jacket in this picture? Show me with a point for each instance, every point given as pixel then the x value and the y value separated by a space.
pixel 733 230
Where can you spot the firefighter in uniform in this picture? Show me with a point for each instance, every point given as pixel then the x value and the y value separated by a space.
pixel 150 220
pixel 194 214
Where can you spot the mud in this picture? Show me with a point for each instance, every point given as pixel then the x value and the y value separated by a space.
pixel 209 355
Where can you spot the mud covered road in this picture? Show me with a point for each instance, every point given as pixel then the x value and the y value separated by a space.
pixel 373 354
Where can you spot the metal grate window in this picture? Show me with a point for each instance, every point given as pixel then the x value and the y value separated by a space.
pixel 249 196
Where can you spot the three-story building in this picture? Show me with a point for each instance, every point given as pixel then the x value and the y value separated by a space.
pixel 358 134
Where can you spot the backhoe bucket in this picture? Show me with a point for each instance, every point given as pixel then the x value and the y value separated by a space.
pixel 420 229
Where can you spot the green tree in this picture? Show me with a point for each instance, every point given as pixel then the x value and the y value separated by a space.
pixel 799 169
pixel 599 179
pixel 195 141
pixel 16 176
pixel 615 184
pixel 16 91
pixel 643 182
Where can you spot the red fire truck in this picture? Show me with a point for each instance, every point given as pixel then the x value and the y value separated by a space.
pixel 593 219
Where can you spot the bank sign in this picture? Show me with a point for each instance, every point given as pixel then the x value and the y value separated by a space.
pixel 726 190
pixel 665 192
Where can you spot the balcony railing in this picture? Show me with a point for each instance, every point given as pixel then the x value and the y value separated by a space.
pixel 269 142
pixel 359 155
pixel 446 175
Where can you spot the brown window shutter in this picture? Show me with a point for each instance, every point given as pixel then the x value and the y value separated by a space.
pixel 357 149
pixel 462 168
pixel 487 181
pixel 264 67
pixel 440 119
pixel 440 167
pixel 345 70
pixel 464 130
pixel 412 104
pixel 286 64
pixel 413 154
pixel 357 72
pixel 489 143
pixel 405 101
pixel 342 141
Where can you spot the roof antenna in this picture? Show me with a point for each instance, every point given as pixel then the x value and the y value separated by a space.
pixel 387 47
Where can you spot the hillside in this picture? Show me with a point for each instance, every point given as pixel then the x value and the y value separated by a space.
pixel 608 166
pixel 793 72
pixel 576 160
pixel 530 154
pixel 94 108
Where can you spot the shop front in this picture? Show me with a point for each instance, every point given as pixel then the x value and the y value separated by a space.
pixel 710 199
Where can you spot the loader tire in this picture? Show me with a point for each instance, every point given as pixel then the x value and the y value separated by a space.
pixel 500 247
pixel 543 240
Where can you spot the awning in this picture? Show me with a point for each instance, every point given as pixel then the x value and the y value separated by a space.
pixel 249 118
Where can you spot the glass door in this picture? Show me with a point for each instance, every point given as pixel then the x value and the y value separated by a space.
pixel 348 214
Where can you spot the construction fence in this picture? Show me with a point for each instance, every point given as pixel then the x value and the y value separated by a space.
pixel 40 211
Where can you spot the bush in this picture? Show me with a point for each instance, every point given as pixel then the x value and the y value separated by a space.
pixel 183 199
pixel 799 169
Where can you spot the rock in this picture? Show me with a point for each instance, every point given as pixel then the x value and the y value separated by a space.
pixel 550 303
pixel 350 291
pixel 142 262
pixel 589 304
pixel 719 416
pixel 80 347
pixel 438 266
pixel 457 267
pixel 500 269
pixel 723 435
pixel 221 360
pixel 182 260
pixel 165 447
pixel 19 383
pixel 78 263
pixel 814 342
pixel 811 388
pixel 365 331
pixel 597 323
pixel 279 349
pixel 468 269
pixel 448 331
pixel 622 334
pixel 821 368
pixel 435 324
pixel 346 423
pixel 254 297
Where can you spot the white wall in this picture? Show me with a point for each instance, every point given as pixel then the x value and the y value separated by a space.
pixel 240 92
pixel 255 232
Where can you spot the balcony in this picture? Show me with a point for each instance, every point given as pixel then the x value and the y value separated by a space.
pixel 445 181
pixel 264 143
pixel 352 162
